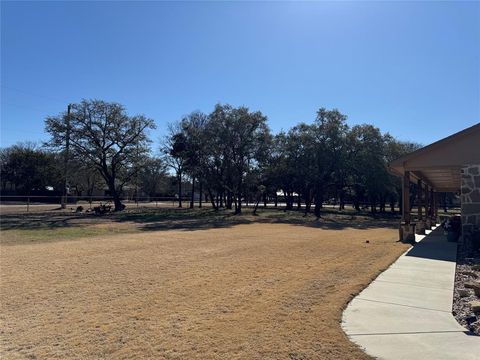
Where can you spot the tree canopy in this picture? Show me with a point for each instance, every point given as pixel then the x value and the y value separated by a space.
pixel 232 153
pixel 29 169
pixel 102 135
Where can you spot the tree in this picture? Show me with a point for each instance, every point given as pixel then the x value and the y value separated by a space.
pixel 291 162
pixel 153 176
pixel 102 135
pixel 193 128
pixel 369 176
pixel 29 168
pixel 330 133
pixel 83 179
pixel 239 140
pixel 174 150
pixel 395 149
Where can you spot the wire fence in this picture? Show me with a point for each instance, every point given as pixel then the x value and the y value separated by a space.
pixel 10 204
pixel 39 203
pixel 29 203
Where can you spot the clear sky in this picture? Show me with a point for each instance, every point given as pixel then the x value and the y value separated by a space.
pixel 410 68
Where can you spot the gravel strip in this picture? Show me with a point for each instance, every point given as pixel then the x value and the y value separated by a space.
pixel 468 271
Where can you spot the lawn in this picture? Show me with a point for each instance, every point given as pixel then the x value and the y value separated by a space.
pixel 184 285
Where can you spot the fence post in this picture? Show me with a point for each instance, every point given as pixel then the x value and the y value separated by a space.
pixel 28 204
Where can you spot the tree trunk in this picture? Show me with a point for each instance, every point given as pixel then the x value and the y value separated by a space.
pixel 318 202
pixel 265 200
pixel 192 198
pixel 179 178
pixel 383 202
pixel 342 199
pixel 287 201
pixel 212 199
pixel 308 201
pixel 356 199
pixel 392 204
pixel 238 204
pixel 200 190
pixel 356 204
pixel 117 202
pixel 118 206
pixel 373 208
pixel 229 200
pixel 257 202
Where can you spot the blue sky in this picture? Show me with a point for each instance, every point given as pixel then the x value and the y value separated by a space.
pixel 410 68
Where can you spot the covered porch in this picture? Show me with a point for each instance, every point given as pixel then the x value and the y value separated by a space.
pixel 448 165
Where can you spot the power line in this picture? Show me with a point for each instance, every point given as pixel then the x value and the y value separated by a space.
pixel 2 129
pixel 36 95
pixel 21 106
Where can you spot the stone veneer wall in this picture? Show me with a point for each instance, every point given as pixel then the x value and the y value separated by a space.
pixel 470 197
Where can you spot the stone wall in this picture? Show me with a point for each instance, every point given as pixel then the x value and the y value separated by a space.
pixel 470 196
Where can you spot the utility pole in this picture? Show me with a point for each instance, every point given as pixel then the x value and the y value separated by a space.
pixel 136 174
pixel 67 148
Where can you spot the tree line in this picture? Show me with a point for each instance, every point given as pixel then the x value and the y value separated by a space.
pixel 229 158
pixel 28 169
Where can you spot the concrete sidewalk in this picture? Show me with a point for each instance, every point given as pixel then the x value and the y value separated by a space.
pixel 405 313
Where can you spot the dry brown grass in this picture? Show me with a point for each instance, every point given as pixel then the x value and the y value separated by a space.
pixel 253 291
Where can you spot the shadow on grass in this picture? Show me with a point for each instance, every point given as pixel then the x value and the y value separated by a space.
pixel 158 219
pixel 196 219
pixel 39 220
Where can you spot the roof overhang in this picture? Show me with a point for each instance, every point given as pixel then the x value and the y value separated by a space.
pixel 439 164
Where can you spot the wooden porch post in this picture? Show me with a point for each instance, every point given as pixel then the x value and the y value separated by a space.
pixel 419 199
pixel 406 197
pixel 427 201
pixel 432 205
pixel 422 195
pixel 428 208
pixel 407 228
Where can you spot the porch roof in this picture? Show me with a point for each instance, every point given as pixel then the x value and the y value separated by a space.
pixel 439 164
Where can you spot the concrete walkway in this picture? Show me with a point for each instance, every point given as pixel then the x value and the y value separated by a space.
pixel 406 312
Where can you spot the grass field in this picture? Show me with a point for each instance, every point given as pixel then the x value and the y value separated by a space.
pixel 172 284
